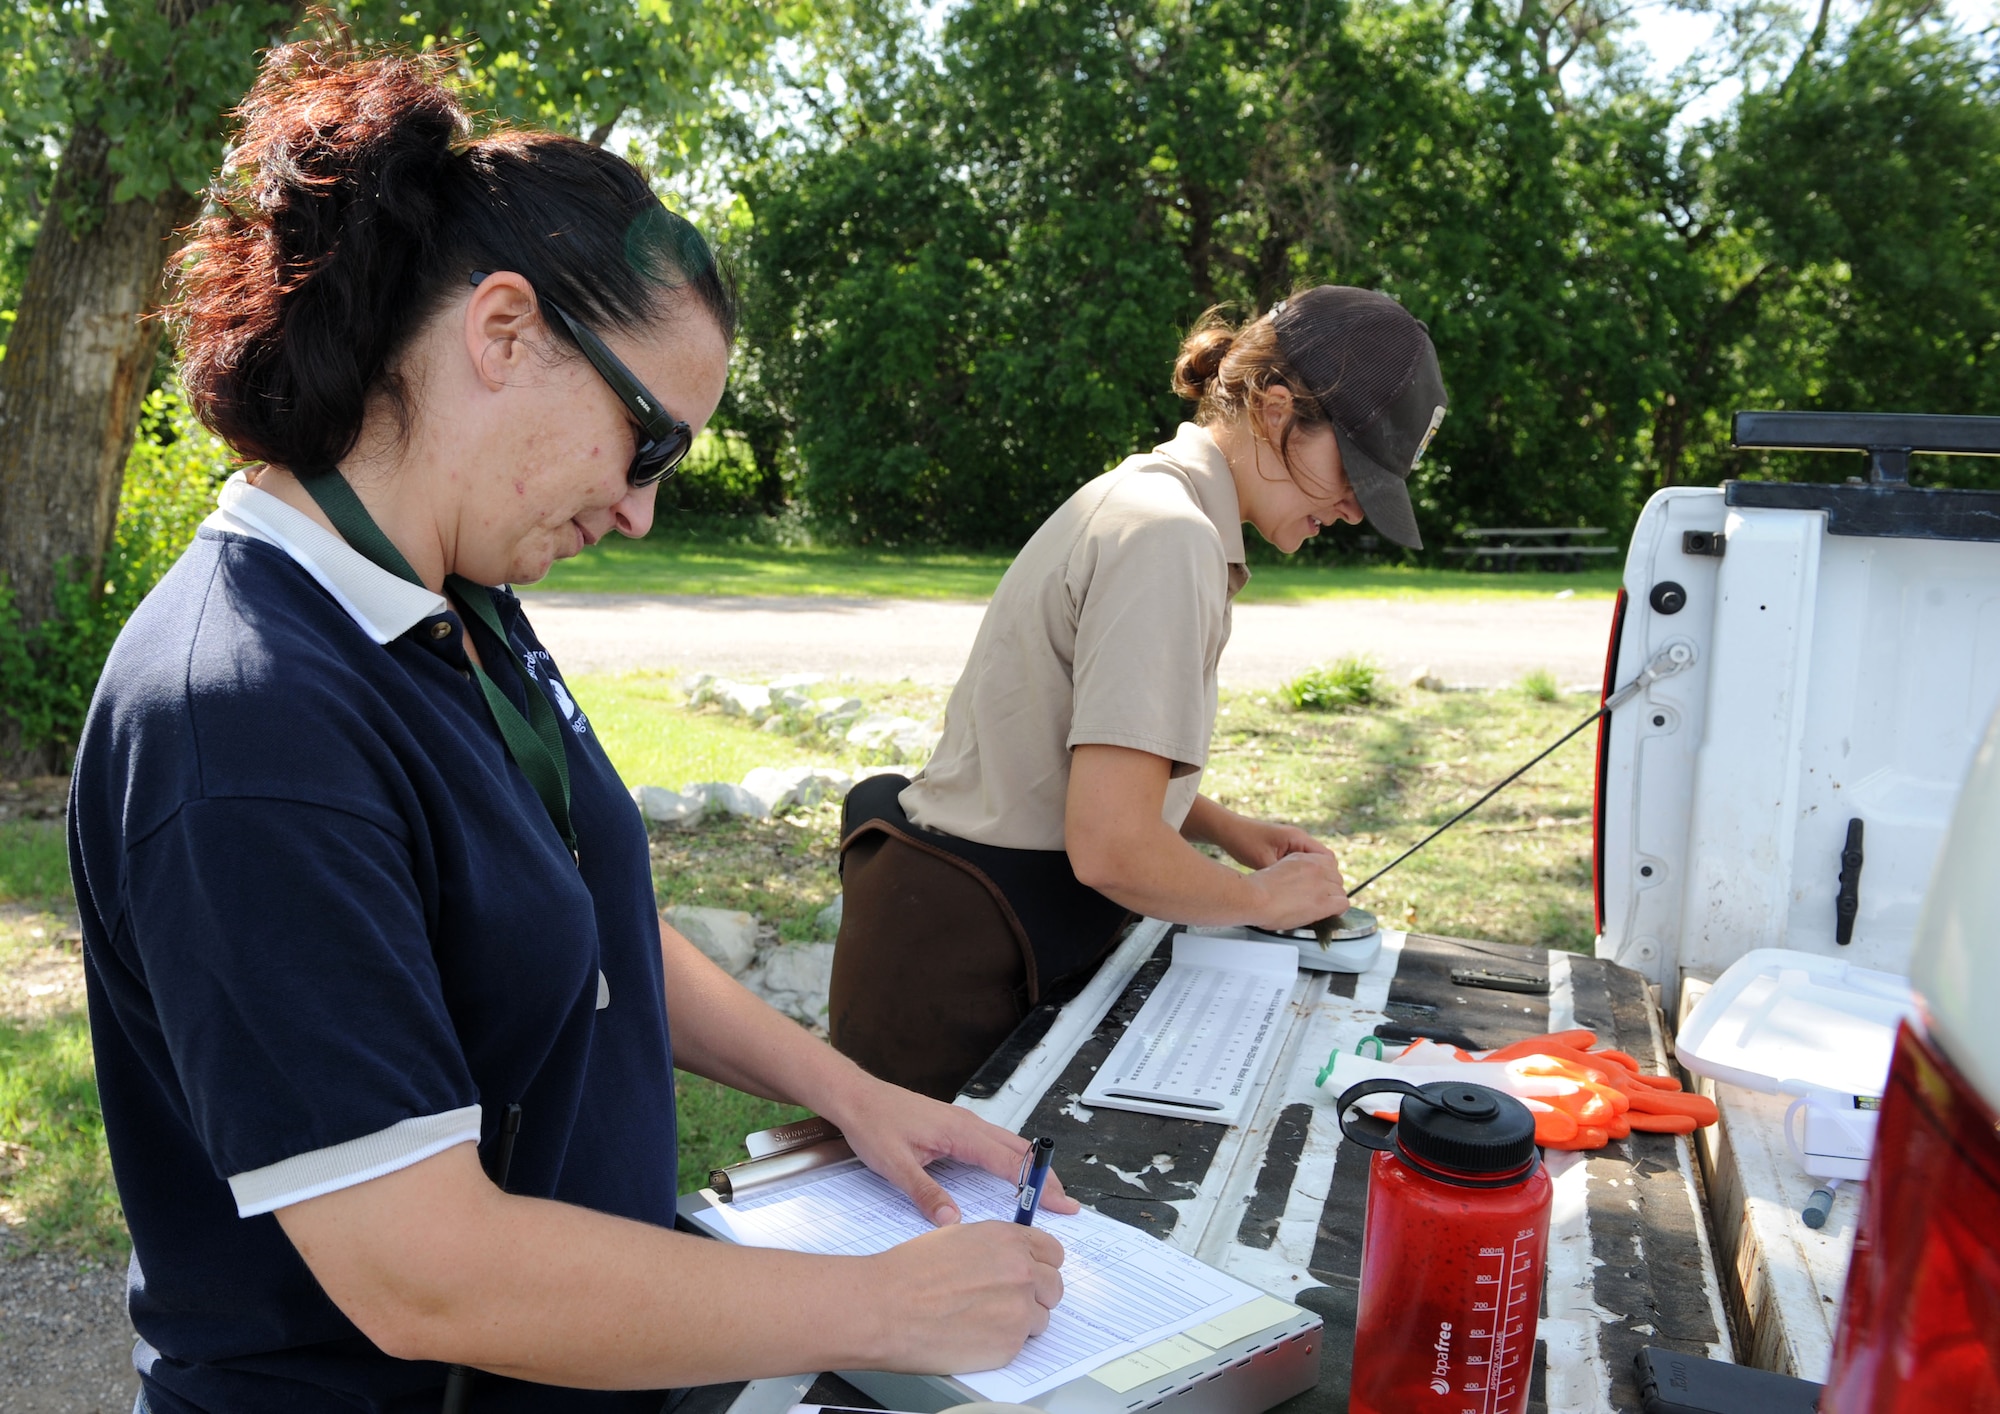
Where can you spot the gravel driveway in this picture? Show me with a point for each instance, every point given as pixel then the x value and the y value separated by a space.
pixel 1482 643
pixel 65 1345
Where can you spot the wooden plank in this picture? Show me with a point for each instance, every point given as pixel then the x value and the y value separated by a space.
pixel 1782 1279
pixel 1279 1201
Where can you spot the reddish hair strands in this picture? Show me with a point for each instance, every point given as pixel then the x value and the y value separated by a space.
pixel 355 203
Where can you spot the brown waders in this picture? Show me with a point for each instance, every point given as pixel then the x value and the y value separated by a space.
pixel 945 944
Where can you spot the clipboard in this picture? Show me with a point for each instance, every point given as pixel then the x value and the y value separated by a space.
pixel 1242 1359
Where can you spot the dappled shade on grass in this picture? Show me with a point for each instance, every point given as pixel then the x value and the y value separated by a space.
pixel 1373 782
pixel 55 1176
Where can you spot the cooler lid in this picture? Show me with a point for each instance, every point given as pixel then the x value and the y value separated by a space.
pixel 1787 1022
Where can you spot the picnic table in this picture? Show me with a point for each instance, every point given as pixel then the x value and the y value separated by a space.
pixel 1555 547
pixel 1277 1201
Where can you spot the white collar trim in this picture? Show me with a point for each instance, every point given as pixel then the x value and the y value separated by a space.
pixel 385 606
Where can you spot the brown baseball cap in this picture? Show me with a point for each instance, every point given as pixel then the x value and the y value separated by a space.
pixel 1372 368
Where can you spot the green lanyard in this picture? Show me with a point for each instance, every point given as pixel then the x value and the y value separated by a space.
pixel 536 744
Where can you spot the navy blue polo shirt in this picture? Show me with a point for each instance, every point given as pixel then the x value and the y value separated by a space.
pixel 329 931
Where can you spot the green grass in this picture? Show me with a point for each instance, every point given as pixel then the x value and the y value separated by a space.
pixel 55 1175
pixel 654 742
pixel 713 1120
pixel 1335 687
pixel 1540 684
pixel 1370 781
pixel 663 565
pixel 34 861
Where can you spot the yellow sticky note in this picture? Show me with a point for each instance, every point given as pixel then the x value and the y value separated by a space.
pixel 1177 1351
pixel 1130 1372
pixel 1247 1319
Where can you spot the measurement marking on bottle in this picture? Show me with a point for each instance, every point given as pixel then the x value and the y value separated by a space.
pixel 1495 1369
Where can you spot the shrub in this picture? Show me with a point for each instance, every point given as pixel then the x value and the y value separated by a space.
pixel 720 478
pixel 171 480
pixel 1350 682
pixel 1540 684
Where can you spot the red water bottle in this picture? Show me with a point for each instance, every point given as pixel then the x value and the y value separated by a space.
pixel 1451 1255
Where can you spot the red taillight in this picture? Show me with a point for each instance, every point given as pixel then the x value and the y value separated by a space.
pixel 1603 752
pixel 1920 1320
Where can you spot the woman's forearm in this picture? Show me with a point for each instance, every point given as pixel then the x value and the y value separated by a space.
pixel 1120 844
pixel 1155 872
pixel 434 1263
pixel 723 1032
pixel 1210 823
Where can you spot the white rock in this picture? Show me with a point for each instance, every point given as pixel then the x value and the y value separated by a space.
pixel 786 786
pixel 870 772
pixel 796 680
pixel 790 700
pixel 743 699
pixel 697 686
pixel 770 785
pixel 661 806
pixel 772 723
pixel 1426 680
pixel 916 740
pixel 728 799
pixel 836 705
pixel 795 978
pixel 874 730
pixel 905 736
pixel 829 918
pixel 725 936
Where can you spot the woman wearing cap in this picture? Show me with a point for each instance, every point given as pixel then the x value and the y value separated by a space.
pixel 1064 796
pixel 385 1021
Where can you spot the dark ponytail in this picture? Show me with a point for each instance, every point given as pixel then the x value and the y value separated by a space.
pixel 354 203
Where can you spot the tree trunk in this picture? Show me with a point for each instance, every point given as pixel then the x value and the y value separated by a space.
pixel 71 385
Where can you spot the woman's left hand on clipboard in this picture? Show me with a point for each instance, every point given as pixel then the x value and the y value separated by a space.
pixel 896 1132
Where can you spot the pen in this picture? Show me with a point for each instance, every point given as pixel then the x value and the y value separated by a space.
pixel 1034 1173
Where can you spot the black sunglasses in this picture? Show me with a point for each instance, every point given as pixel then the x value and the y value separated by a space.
pixel 664 439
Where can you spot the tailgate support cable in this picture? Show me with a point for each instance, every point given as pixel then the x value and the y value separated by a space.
pixel 1674 658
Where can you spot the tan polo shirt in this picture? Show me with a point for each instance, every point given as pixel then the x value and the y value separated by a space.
pixel 1106 629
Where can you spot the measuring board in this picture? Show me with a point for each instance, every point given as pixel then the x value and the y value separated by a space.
pixel 1199 1046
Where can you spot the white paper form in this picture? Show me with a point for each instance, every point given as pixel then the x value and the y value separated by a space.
pixel 1201 1041
pixel 1122 1290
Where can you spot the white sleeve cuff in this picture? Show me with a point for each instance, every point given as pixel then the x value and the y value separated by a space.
pixel 338 1166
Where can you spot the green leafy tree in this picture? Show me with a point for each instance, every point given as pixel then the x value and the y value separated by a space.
pixel 968 293
pixel 1871 180
pixel 134 95
pixel 971 268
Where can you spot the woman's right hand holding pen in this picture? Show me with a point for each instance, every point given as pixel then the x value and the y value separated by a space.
pixel 967 1296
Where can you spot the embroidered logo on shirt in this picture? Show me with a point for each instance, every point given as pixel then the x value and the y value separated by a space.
pixel 578 723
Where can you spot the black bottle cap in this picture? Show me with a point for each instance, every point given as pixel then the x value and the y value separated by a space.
pixel 1470 1128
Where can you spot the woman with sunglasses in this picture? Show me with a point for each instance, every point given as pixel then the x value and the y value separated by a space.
pixel 384 1017
pixel 1064 795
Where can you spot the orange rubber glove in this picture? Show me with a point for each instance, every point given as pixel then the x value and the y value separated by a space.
pixel 1611 1098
